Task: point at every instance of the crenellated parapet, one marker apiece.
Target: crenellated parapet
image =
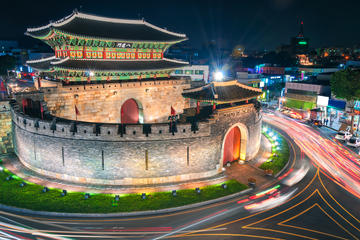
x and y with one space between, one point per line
66 129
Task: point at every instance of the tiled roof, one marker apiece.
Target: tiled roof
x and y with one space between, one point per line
107 65
222 92
87 25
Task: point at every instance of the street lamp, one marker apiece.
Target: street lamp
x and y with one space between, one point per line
219 76
281 101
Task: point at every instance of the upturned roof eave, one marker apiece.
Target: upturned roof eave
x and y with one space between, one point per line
105 39
58 24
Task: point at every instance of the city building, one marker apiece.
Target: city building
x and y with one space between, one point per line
108 111
304 96
299 44
7 46
195 72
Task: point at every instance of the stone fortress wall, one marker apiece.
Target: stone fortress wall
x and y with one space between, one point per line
134 158
102 102
6 145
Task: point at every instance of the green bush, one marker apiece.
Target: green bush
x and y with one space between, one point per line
31 197
279 156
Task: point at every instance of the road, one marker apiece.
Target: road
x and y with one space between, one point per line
317 197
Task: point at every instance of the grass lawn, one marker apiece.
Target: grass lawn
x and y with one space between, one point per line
31 197
280 152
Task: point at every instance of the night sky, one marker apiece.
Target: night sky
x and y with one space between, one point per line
256 24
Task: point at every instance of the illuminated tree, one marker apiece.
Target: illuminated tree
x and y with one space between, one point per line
345 84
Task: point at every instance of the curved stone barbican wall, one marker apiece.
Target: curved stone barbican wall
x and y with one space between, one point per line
102 102
248 119
133 158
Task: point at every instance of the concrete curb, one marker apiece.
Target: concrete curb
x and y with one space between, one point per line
124 214
331 128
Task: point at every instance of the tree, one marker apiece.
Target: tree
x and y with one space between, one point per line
345 84
7 63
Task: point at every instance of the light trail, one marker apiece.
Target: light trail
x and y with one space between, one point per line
330 156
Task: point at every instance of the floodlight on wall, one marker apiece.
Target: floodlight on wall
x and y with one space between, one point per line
117 198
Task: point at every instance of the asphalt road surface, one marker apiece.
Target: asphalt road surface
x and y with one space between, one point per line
316 197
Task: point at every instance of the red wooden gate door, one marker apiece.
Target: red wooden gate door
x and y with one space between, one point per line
130 112
232 145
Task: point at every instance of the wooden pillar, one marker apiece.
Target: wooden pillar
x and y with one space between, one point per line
197 107
42 111
23 104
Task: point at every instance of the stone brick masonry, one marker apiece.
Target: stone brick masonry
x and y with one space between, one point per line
6 145
134 158
102 102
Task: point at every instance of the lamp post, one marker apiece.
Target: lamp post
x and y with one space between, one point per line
281 101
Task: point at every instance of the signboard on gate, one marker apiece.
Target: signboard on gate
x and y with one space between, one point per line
123 45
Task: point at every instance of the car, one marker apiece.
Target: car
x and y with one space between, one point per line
343 136
353 142
295 115
317 123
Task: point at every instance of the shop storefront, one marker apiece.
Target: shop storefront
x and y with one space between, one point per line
336 114
322 103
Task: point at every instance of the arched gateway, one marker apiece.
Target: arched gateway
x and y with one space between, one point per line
131 111
234 144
